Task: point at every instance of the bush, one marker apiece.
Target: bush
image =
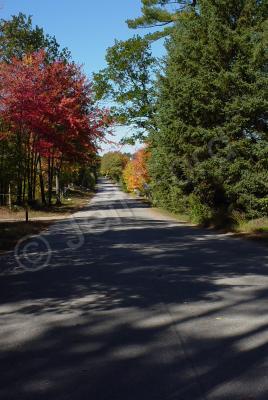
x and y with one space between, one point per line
200 213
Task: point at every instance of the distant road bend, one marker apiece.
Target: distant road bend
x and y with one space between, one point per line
120 302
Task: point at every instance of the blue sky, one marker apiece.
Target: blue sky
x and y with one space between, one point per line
86 27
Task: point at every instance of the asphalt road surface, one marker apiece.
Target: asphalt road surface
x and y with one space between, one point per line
121 302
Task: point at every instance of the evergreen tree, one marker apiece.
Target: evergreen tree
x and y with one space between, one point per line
209 154
160 13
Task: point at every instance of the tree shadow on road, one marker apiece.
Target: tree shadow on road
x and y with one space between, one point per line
139 309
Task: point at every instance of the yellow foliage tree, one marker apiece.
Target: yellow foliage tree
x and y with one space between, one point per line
136 173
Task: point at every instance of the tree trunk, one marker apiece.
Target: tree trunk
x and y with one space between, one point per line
42 187
50 179
58 201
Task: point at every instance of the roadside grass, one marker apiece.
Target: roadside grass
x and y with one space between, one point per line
180 217
259 225
11 232
12 222
74 201
256 229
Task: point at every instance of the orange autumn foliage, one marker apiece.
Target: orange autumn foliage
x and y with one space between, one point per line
136 173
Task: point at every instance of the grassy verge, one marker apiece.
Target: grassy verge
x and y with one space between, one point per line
256 229
75 200
183 218
11 232
40 218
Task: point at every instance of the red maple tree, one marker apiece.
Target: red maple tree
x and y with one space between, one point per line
50 111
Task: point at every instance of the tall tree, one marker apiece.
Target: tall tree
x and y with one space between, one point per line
19 37
50 113
209 153
128 83
160 13
136 172
113 164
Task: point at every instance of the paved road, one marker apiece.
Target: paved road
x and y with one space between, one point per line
123 303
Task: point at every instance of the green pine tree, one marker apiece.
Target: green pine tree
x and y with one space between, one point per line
210 151
160 14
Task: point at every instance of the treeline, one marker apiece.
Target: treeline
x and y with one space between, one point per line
50 124
130 171
204 113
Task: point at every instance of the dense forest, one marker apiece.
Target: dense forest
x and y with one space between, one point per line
50 123
201 111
